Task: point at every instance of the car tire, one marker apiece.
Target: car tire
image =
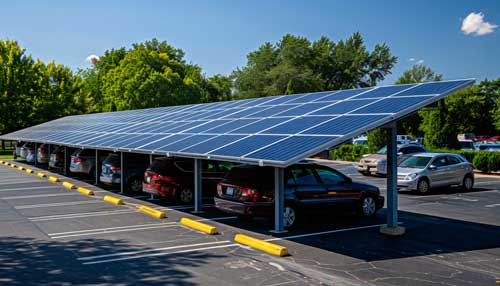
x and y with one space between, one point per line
290 217
468 183
367 206
135 185
365 173
423 186
185 196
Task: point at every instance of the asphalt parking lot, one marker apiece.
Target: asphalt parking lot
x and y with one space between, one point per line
50 235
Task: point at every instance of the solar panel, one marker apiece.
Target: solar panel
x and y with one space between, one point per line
274 131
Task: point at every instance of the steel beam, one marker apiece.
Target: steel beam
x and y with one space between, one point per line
122 174
65 160
50 155
36 154
197 186
392 228
279 200
96 167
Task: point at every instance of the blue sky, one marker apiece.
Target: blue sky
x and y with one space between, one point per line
217 35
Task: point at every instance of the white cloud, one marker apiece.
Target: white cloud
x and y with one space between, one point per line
92 58
420 62
474 24
411 59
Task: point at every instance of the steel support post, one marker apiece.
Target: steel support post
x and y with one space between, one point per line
97 167
197 186
279 200
36 154
50 155
65 160
122 174
392 227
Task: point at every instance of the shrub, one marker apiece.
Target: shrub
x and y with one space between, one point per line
481 162
349 152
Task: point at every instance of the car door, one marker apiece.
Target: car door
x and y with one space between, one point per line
439 175
457 170
339 188
309 191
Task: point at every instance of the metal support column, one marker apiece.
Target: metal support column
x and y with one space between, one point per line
65 160
197 186
392 227
96 167
49 155
150 159
279 200
36 154
151 196
122 174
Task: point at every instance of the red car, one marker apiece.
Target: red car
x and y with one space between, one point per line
173 178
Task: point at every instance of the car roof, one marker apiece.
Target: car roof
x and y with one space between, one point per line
433 154
410 144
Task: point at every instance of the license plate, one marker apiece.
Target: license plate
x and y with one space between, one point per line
229 191
148 180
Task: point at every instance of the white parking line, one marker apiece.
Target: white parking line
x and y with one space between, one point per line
80 215
166 225
162 254
19 181
110 228
56 205
492 206
324 232
39 196
28 188
486 182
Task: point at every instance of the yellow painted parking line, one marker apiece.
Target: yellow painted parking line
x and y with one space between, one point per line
152 212
203 227
69 185
113 200
260 244
54 179
85 191
41 175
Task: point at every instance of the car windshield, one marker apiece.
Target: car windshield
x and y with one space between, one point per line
382 151
417 162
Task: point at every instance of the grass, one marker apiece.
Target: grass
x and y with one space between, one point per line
6 154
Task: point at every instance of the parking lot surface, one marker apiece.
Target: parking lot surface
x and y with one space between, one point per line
50 235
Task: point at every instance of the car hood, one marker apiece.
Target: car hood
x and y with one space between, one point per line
374 157
407 171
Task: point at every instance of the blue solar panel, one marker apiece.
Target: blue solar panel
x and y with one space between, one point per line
272 130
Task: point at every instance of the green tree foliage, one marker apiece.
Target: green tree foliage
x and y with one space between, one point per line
471 110
418 73
376 139
32 92
295 65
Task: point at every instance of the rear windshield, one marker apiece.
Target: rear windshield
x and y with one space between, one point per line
112 159
163 166
251 176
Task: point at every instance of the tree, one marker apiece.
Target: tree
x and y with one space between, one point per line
295 65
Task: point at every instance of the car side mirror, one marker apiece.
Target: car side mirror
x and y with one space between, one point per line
432 167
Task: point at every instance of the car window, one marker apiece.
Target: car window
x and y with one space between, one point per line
302 176
329 177
404 150
452 160
439 162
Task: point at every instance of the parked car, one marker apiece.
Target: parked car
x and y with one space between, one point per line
57 157
424 171
136 165
31 155
43 154
404 139
25 149
174 178
310 188
17 149
361 140
377 163
489 147
466 145
83 162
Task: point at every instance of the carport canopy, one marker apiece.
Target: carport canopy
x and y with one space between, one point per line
273 131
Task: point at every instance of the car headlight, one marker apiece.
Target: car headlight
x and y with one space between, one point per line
411 176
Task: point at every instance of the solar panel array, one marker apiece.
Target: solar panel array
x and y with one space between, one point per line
276 131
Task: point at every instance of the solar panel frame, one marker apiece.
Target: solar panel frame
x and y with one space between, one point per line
91 127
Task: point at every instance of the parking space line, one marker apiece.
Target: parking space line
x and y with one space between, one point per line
19 181
162 254
166 225
55 205
486 183
29 188
492 206
151 250
38 196
324 232
80 215
109 228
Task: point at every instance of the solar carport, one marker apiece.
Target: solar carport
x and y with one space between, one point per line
275 131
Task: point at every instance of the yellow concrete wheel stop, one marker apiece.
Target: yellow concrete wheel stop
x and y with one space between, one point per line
21 168
53 179
113 200
260 244
69 185
85 191
203 227
29 171
13 165
152 212
41 175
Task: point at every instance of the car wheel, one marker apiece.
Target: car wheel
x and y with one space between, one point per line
468 183
368 206
290 217
365 173
135 185
423 187
185 196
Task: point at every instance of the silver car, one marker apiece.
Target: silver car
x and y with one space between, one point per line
377 163
424 171
83 161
